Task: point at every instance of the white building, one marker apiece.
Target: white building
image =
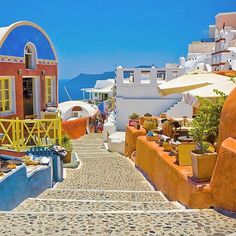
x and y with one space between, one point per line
102 90
136 91
200 53
224 53
217 51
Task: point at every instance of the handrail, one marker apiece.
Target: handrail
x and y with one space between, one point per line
22 134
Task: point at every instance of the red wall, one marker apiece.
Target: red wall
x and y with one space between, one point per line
12 69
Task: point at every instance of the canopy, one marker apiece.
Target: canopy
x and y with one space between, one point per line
188 82
87 109
101 86
190 97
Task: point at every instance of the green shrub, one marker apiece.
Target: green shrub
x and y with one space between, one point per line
66 142
134 116
205 128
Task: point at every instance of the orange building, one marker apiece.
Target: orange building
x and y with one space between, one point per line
28 71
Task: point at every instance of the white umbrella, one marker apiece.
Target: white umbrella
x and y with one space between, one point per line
190 81
190 97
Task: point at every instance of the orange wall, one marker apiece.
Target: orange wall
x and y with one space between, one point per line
11 69
223 183
228 119
75 128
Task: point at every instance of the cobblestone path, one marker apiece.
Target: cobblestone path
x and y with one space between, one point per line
106 195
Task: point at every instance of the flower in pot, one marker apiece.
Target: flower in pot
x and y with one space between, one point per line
66 143
205 132
134 119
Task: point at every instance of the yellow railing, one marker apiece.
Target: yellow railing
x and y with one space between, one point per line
22 134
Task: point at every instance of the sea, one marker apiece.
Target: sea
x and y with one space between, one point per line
74 85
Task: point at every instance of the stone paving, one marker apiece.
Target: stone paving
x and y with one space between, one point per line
205 222
39 205
102 195
106 195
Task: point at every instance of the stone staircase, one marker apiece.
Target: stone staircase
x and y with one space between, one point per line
180 109
106 195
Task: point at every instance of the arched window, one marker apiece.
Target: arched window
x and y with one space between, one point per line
30 56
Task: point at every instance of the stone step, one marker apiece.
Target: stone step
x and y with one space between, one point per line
175 222
56 205
96 195
97 156
105 174
90 151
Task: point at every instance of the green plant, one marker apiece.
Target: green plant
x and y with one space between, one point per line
134 116
205 126
148 115
66 142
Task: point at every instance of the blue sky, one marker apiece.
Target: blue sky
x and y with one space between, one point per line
91 36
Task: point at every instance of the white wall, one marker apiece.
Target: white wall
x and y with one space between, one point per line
124 107
142 97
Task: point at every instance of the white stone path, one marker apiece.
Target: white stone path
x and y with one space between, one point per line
106 195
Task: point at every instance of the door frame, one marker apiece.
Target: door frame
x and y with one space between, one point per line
36 90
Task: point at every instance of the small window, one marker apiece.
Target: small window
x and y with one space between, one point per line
49 96
128 76
161 75
145 77
30 57
175 73
5 98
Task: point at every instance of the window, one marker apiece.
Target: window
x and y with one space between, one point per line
128 76
30 56
145 77
49 85
161 75
5 98
175 73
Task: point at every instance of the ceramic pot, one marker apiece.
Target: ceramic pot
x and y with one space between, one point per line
203 165
133 123
149 124
67 159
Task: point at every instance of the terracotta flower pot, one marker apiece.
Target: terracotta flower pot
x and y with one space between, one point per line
67 159
203 165
133 123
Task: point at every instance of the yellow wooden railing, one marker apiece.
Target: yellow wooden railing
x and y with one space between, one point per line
22 134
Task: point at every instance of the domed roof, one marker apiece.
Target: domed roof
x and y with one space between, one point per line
14 38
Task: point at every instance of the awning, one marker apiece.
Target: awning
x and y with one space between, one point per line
102 90
188 82
190 97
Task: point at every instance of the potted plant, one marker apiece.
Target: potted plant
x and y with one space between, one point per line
205 132
134 119
66 143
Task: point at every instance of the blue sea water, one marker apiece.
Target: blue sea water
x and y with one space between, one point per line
74 85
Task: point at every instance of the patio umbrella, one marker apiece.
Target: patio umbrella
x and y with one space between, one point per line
189 81
190 97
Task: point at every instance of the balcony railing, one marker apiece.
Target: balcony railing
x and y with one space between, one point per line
20 135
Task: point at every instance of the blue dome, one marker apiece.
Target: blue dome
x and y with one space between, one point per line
14 38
